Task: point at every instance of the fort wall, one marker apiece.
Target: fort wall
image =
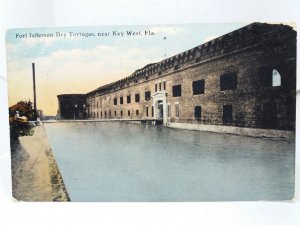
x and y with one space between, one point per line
246 78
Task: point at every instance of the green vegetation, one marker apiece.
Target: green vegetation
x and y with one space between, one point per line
19 116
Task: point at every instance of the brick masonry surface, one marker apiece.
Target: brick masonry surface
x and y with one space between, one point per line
239 72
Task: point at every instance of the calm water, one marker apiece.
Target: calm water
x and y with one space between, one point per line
114 161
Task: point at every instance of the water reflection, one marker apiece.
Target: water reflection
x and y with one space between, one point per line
112 161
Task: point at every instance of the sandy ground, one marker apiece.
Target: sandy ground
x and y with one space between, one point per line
35 174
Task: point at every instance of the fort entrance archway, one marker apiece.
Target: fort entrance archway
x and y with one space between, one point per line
160 110
160 106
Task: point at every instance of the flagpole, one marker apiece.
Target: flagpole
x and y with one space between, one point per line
165 39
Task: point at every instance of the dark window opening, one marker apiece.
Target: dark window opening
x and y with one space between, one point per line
177 90
159 86
147 95
109 113
198 87
197 112
121 100
137 97
121 113
101 114
164 85
105 114
227 114
155 87
115 113
228 81
265 77
128 112
115 101
128 99
137 112
147 111
152 111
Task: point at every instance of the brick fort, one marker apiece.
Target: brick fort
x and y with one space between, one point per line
243 79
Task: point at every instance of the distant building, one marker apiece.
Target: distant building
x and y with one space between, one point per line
246 78
72 106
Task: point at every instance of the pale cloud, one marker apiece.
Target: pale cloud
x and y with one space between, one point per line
107 59
166 30
10 47
29 43
42 40
81 65
73 71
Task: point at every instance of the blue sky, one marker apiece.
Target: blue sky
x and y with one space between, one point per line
68 64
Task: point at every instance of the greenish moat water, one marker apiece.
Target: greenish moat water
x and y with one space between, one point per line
117 161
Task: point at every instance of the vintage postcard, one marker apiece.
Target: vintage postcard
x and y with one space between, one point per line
194 112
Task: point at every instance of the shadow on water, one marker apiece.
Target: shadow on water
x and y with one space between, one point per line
115 161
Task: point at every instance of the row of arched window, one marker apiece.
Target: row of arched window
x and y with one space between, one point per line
109 115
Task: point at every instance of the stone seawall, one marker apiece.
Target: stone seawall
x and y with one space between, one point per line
244 131
35 174
252 132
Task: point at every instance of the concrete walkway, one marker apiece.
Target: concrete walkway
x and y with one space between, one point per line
35 174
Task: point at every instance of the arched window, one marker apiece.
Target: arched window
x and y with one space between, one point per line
276 78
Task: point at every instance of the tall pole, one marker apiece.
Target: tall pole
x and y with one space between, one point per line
34 92
165 46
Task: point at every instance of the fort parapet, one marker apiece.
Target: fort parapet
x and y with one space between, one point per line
246 78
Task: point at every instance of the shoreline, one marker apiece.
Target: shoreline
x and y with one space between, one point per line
221 129
35 173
